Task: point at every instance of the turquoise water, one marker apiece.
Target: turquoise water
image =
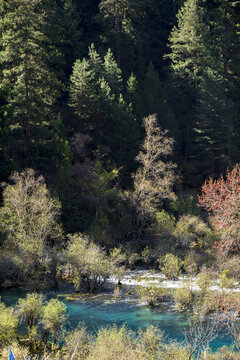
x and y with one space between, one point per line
96 314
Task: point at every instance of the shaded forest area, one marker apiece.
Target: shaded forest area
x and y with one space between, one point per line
119 148
77 80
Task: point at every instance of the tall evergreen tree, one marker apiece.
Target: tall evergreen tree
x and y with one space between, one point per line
152 33
119 18
154 100
188 56
205 59
100 109
217 115
188 52
6 165
28 81
78 28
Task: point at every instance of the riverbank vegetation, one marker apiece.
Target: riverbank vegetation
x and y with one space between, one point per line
117 343
119 148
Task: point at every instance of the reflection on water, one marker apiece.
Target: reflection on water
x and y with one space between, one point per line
98 313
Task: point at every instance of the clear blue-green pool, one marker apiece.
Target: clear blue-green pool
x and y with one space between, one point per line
96 314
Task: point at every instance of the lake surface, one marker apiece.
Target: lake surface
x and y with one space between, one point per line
101 313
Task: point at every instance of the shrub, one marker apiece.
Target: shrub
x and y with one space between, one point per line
20 352
132 258
90 263
182 297
225 281
146 255
191 263
149 344
170 266
78 344
176 352
112 344
221 200
204 282
29 309
53 317
165 222
232 265
206 304
152 295
185 204
224 353
192 232
118 258
8 325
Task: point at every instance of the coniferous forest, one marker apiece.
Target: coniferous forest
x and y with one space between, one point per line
119 149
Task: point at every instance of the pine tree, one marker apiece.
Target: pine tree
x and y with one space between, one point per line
100 109
217 128
73 31
6 165
204 57
152 33
119 18
188 52
133 97
30 85
188 57
154 99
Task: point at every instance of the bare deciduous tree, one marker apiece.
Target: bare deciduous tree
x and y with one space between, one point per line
200 334
153 181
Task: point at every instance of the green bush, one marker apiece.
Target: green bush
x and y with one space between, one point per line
29 309
152 295
204 305
123 344
182 297
175 352
90 263
205 301
8 325
224 353
192 232
112 344
185 204
77 344
231 264
20 352
53 317
204 281
165 222
191 263
226 282
149 345
146 255
170 266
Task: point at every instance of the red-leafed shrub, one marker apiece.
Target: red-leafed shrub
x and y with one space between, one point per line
221 199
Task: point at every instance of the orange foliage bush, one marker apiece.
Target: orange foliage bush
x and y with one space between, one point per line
221 199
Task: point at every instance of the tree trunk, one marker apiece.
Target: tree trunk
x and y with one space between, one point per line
54 337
